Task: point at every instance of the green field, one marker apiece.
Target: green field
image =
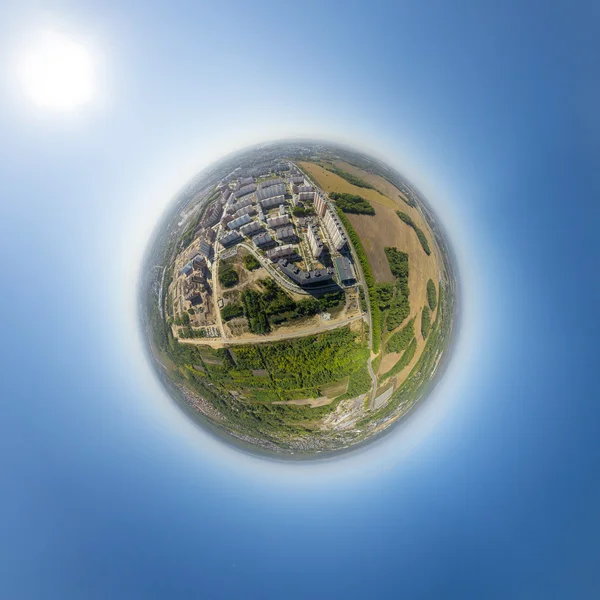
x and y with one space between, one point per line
331 364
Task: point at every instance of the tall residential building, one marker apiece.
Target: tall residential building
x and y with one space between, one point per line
320 204
281 251
335 229
270 182
315 241
251 228
271 202
245 190
278 221
273 190
239 222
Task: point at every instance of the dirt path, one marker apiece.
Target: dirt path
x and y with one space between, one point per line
260 339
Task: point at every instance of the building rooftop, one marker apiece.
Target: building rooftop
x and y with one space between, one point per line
273 190
306 278
262 239
286 233
239 222
243 191
270 182
230 238
345 269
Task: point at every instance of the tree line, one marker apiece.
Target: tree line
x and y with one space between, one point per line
353 179
431 295
351 203
422 239
369 279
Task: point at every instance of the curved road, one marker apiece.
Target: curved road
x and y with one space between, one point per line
368 300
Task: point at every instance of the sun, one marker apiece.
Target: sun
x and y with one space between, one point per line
57 72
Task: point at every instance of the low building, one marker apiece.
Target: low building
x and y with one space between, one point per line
205 248
195 297
199 262
186 269
345 270
313 278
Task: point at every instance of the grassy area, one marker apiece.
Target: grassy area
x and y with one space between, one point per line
369 280
274 306
403 361
251 262
331 362
397 307
422 372
431 294
351 203
231 311
400 340
422 239
228 276
302 211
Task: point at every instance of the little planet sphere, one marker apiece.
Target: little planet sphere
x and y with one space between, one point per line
298 299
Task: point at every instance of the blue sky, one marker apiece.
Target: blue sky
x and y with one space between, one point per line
490 491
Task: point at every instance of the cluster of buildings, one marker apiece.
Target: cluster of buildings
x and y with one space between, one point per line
258 212
195 274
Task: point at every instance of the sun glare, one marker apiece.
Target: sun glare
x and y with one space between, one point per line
57 72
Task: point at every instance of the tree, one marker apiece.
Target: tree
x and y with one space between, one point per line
425 321
251 262
431 295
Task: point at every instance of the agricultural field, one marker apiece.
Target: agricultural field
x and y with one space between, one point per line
386 229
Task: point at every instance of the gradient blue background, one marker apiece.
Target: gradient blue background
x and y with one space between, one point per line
492 490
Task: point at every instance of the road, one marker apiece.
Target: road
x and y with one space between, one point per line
361 279
218 342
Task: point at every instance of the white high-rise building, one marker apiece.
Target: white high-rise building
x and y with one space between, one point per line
315 241
335 229
320 204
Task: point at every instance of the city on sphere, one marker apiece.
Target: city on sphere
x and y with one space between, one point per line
298 299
